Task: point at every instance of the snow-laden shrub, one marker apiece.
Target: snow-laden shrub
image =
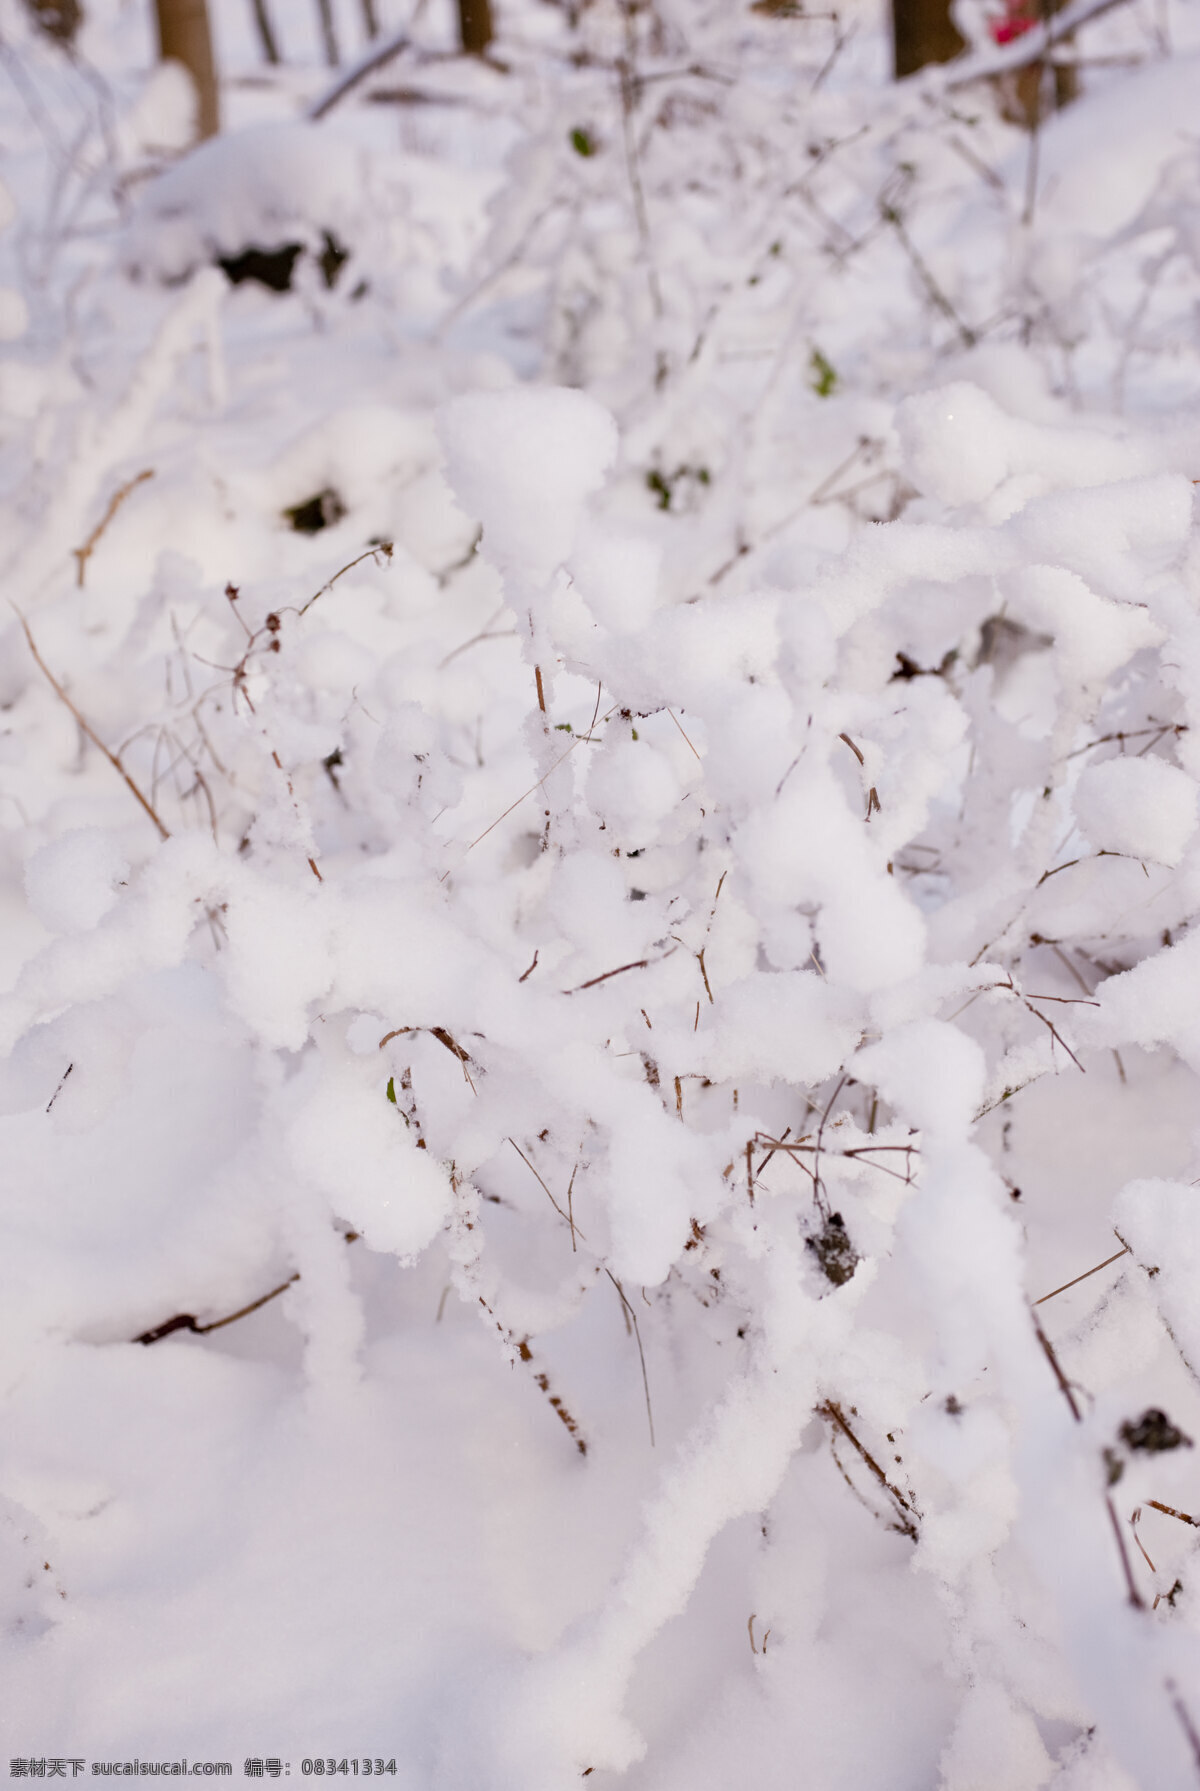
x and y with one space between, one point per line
705 979
551 1035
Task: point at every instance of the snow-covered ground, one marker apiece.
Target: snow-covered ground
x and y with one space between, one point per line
598 872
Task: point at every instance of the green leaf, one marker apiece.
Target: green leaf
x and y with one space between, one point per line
658 485
391 1090
582 142
822 374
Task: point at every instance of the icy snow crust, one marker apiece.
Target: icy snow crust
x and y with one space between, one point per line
623 963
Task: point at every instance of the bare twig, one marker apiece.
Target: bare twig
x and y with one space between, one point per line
379 548
540 1377
91 733
639 964
1053 1294
184 1321
62 1081
437 1032
889 211
1135 1597
520 799
1158 732
907 1515
376 57
631 1315
1064 1385
1068 1393
543 1381
266 35
83 554
679 725
528 973
1170 1511
1185 1720
567 1215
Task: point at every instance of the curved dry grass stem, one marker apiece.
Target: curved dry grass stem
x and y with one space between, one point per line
86 727
83 554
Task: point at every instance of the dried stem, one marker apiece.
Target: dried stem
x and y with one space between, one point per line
184 1321
631 1316
91 733
638 964
1170 1511
907 1523
83 554
1115 1257
568 1215
1068 1393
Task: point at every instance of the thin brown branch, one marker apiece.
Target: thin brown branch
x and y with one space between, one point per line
437 1032
571 1205
540 1377
1135 1597
83 554
542 1380
638 964
1158 732
833 1412
575 1231
1170 1511
1053 1294
184 1321
704 974
384 548
520 799
1055 1034
631 1315
1064 1385
679 725
375 58
1133 1525
91 733
62 1082
866 1151
817 1196
1068 1393
1185 1721
525 974
1046 875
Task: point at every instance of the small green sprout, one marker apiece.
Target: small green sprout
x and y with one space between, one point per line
391 1090
658 485
823 377
582 142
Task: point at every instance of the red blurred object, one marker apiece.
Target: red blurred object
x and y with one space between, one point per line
1017 18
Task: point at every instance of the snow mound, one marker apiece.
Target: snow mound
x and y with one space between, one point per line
266 186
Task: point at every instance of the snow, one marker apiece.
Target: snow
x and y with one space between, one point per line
253 186
72 882
598 893
1137 806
